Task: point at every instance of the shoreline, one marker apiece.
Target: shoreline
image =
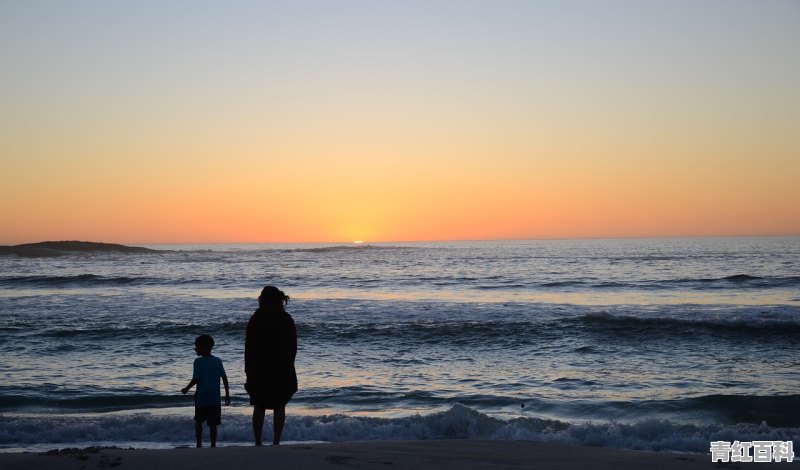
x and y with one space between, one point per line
432 454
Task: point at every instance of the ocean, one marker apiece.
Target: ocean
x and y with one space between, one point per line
659 344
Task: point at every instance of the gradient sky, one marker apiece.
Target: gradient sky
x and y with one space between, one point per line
328 121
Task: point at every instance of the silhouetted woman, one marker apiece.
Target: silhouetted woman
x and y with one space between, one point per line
269 351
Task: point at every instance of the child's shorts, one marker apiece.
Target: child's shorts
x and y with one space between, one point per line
211 413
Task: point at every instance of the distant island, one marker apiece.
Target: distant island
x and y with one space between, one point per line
61 248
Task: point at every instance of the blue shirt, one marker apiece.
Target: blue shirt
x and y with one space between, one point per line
207 373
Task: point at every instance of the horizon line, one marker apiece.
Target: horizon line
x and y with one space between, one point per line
367 242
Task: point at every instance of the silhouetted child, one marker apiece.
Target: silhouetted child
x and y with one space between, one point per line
208 370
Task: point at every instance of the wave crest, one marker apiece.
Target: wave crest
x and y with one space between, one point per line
458 422
746 324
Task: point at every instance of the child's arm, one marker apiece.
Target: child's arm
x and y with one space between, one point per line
192 383
227 390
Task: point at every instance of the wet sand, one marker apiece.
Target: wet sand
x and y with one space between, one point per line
448 454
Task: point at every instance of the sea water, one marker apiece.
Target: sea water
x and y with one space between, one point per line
662 344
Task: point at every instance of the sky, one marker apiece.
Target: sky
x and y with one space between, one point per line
330 121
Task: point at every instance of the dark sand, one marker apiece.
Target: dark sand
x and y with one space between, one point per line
449 454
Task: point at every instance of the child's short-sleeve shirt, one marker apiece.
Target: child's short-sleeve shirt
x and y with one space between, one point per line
207 373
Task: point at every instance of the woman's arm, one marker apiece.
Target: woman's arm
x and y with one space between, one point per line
293 341
248 345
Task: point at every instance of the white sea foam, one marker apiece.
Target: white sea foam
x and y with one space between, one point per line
460 422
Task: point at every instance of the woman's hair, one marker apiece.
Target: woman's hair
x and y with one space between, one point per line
271 295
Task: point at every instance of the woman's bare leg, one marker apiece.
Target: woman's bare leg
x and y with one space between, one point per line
258 423
278 420
198 433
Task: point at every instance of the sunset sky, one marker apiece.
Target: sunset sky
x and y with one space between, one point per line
329 121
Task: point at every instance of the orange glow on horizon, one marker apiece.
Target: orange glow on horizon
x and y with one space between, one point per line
406 129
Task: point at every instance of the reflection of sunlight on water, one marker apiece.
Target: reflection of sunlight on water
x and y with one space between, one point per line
773 297
573 298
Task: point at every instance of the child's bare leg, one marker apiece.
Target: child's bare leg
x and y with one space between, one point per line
278 420
198 432
258 423
212 428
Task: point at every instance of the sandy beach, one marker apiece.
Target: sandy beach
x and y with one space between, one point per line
447 454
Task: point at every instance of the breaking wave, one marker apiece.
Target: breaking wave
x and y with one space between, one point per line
458 422
82 280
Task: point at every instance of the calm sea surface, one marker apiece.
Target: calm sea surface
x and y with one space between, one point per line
659 344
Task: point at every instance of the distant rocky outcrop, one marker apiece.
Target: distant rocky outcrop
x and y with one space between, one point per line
61 248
